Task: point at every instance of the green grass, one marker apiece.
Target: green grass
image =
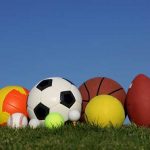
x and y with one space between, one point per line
75 138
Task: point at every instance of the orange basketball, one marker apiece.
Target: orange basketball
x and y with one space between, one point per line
13 99
98 86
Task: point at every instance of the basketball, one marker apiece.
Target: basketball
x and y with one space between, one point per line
99 86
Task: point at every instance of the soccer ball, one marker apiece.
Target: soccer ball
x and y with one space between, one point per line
53 95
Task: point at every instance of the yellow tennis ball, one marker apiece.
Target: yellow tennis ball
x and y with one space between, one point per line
54 120
105 111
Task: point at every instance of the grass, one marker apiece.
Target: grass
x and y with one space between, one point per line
82 136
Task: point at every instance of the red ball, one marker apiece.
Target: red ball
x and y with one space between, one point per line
13 99
98 86
16 102
138 101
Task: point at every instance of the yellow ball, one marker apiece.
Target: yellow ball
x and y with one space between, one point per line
105 111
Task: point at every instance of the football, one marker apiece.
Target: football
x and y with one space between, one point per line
100 86
138 101
53 95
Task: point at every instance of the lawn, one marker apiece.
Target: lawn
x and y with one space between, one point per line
82 136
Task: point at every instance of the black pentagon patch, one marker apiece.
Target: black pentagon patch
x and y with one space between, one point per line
44 84
41 111
69 81
67 98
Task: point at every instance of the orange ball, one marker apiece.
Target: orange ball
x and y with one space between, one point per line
13 99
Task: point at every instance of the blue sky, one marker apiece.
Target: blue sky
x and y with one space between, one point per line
73 39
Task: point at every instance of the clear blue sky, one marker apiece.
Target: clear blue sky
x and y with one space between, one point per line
73 39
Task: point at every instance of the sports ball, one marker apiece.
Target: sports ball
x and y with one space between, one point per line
138 101
98 86
53 95
34 123
13 99
74 115
54 120
17 120
105 111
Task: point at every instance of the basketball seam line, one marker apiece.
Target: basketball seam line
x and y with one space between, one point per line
100 85
87 90
115 91
85 100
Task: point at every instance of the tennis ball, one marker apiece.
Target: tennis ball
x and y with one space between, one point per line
105 111
54 120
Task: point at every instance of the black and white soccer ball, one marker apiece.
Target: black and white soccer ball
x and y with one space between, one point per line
53 95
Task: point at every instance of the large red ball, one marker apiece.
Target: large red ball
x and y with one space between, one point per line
98 86
16 102
13 99
138 101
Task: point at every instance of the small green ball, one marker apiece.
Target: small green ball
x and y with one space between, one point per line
54 120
